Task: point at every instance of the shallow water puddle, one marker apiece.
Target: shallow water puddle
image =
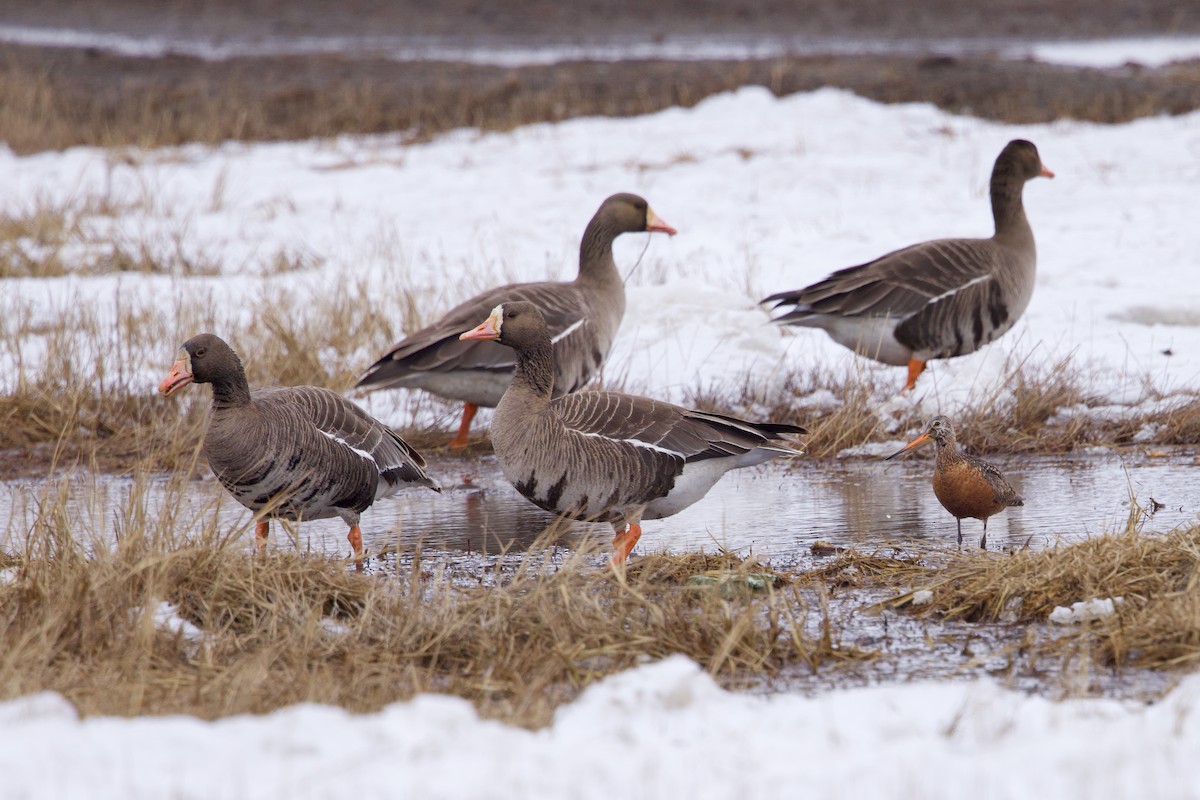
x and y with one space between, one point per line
777 511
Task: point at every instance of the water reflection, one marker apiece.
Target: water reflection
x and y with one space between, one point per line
775 510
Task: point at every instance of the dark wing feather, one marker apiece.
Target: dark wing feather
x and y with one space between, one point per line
337 417
689 435
437 348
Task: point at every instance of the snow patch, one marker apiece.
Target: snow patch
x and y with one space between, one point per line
1086 610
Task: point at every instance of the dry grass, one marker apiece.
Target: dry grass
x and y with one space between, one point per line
1180 424
84 384
857 403
1157 624
81 595
78 618
52 99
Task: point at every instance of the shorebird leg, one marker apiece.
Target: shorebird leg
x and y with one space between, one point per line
261 529
355 538
915 368
983 539
464 427
624 541
959 521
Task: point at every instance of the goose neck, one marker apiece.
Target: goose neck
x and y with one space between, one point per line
535 370
596 262
231 391
1008 209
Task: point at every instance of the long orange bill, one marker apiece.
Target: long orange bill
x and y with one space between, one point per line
917 442
486 331
655 224
179 376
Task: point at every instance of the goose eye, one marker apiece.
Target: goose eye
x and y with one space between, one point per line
200 351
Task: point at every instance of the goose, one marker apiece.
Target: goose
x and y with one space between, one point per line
606 456
583 316
293 453
937 299
965 485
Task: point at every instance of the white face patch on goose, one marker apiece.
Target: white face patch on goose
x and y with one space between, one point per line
186 358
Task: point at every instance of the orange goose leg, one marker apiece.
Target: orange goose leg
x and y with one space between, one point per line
355 538
915 368
624 541
261 529
464 427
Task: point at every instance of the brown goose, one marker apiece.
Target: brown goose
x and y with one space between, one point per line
965 485
293 453
583 316
604 456
936 299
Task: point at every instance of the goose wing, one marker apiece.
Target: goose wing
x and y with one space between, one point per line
672 433
335 417
437 348
899 284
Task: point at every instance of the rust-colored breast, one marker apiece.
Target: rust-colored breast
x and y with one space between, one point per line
965 491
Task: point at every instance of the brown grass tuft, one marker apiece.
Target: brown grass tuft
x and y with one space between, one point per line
1157 625
79 619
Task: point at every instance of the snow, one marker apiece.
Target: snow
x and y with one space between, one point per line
166 617
768 194
922 597
1086 610
1149 51
661 730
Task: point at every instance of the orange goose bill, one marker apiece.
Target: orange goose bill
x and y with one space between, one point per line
179 376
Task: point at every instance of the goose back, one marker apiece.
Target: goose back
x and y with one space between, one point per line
582 315
308 453
936 299
608 456
583 323
299 452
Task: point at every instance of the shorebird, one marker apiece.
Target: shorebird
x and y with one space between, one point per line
965 485
937 299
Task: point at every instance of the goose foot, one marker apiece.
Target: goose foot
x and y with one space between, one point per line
261 529
355 538
624 541
915 368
